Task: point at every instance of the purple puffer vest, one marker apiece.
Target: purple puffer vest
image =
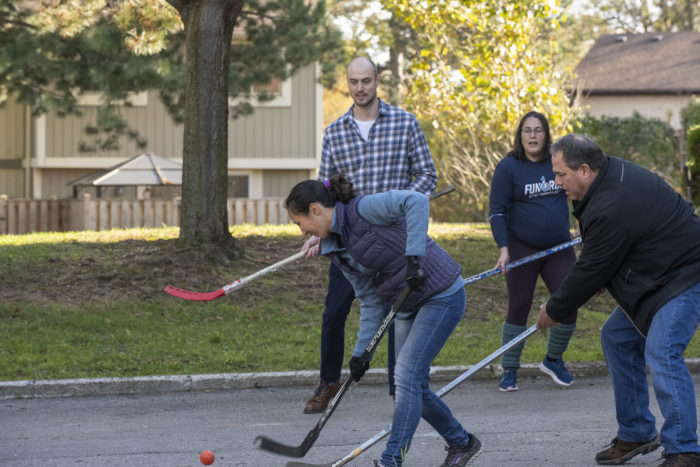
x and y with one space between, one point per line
382 250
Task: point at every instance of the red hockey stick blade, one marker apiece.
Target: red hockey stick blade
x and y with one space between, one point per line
194 296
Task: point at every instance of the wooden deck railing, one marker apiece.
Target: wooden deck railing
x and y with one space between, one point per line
21 216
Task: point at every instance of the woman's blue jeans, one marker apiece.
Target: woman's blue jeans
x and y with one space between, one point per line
418 341
627 353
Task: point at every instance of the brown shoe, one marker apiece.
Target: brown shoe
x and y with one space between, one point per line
620 451
684 459
322 395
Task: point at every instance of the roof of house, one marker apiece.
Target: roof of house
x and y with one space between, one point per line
650 63
145 169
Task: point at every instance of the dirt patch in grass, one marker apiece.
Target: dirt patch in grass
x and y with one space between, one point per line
141 269
85 272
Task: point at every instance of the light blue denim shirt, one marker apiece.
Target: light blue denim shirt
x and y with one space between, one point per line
384 209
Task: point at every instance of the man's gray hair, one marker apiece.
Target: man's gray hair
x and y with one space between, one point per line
577 150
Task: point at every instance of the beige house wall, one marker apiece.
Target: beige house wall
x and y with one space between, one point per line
55 185
12 130
279 182
277 146
14 148
12 182
665 107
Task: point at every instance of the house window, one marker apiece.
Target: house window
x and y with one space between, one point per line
280 90
273 87
238 186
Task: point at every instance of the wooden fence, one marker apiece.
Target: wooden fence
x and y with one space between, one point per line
21 216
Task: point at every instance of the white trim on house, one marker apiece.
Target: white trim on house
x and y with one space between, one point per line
77 162
39 140
255 184
233 164
36 183
319 117
263 163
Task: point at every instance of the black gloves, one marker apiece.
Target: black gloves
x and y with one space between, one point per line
357 369
415 276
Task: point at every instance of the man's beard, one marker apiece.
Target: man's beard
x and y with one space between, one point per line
369 101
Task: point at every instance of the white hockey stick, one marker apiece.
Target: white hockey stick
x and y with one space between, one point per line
454 383
228 288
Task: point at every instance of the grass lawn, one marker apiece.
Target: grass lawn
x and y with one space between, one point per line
91 304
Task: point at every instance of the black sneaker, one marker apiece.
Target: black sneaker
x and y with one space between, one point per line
462 456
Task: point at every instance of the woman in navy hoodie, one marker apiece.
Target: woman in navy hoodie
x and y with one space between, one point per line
380 242
529 213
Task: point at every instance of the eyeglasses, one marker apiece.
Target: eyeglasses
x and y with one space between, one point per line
537 131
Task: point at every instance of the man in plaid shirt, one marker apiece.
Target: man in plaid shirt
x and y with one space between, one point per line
379 148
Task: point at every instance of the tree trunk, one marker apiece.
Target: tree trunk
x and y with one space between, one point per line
397 49
203 219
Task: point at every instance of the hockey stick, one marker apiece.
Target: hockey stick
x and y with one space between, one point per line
454 383
237 284
228 288
271 445
526 259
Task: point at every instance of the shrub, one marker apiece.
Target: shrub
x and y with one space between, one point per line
693 139
649 142
690 114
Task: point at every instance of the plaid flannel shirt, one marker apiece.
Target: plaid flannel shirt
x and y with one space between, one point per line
395 157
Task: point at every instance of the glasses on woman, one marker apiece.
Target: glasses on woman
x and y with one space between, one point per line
537 131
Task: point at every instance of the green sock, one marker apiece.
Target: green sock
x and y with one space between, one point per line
511 359
559 337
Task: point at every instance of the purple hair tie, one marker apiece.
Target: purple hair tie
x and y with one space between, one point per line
327 184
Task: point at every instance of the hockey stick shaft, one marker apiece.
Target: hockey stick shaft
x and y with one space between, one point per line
449 387
525 260
228 288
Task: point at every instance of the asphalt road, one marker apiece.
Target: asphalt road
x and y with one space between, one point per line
540 425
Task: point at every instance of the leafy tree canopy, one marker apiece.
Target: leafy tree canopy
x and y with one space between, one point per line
51 51
648 15
480 67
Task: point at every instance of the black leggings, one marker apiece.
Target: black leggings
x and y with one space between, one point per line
521 281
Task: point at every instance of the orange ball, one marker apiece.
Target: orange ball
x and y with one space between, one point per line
206 457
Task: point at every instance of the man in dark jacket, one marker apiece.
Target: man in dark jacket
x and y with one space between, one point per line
641 241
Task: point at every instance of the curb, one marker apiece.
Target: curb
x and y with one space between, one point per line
234 381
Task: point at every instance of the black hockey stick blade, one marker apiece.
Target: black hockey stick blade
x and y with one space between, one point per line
271 445
448 189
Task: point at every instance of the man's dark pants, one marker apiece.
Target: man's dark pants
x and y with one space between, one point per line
338 302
